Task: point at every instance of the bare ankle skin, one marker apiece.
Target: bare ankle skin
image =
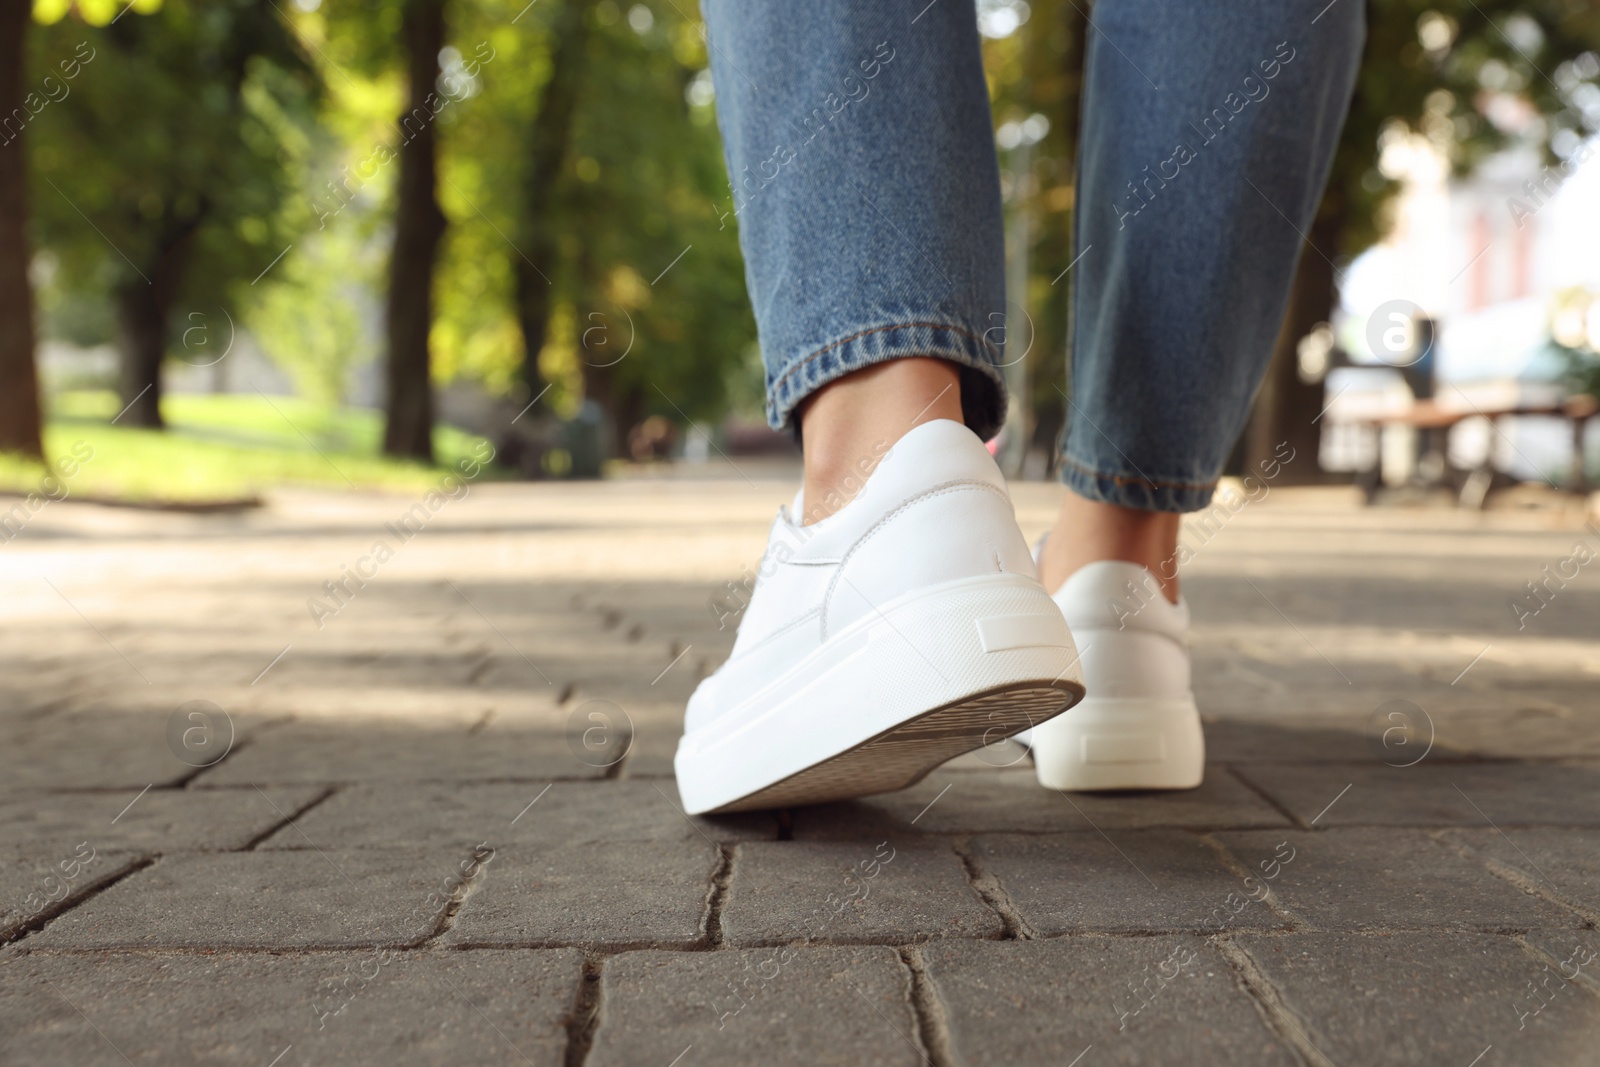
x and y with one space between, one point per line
849 424
1087 531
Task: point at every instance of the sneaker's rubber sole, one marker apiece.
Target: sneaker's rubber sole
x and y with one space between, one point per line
920 680
903 755
1121 743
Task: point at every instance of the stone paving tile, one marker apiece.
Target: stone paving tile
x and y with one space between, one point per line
418 661
264 899
161 820
843 891
126 750
654 745
1571 954
1568 730
1131 880
1373 878
1431 997
34 882
1359 740
775 1007
565 813
601 893
361 698
1145 1000
1561 861
1435 794
428 1008
961 802
394 751
654 726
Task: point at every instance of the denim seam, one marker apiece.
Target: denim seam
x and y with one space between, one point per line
1148 483
778 385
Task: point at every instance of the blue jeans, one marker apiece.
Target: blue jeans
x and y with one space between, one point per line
861 159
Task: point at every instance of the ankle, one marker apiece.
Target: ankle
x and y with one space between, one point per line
1089 531
849 424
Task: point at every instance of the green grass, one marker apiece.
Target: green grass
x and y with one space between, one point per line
221 448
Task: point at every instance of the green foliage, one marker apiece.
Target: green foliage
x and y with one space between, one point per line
185 120
1037 71
1473 76
643 182
270 126
652 188
311 321
226 448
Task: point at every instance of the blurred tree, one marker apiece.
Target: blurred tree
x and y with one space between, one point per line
163 178
656 281
548 142
1033 57
1473 77
310 319
419 226
630 220
19 381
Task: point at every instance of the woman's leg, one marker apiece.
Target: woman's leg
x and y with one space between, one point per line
1207 138
895 621
861 157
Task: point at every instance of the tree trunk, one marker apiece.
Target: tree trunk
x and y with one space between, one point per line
419 225
630 412
144 306
549 139
142 323
1286 409
19 379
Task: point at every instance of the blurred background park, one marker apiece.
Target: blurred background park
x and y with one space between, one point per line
256 243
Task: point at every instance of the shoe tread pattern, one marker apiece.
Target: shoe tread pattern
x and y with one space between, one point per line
903 755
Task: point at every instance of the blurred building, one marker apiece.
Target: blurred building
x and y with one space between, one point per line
1486 257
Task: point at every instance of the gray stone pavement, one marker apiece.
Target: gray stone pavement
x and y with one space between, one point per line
433 820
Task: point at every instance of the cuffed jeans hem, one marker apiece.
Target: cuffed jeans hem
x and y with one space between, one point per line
983 395
1133 491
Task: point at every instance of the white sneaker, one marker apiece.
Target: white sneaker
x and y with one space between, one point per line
899 632
1139 727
